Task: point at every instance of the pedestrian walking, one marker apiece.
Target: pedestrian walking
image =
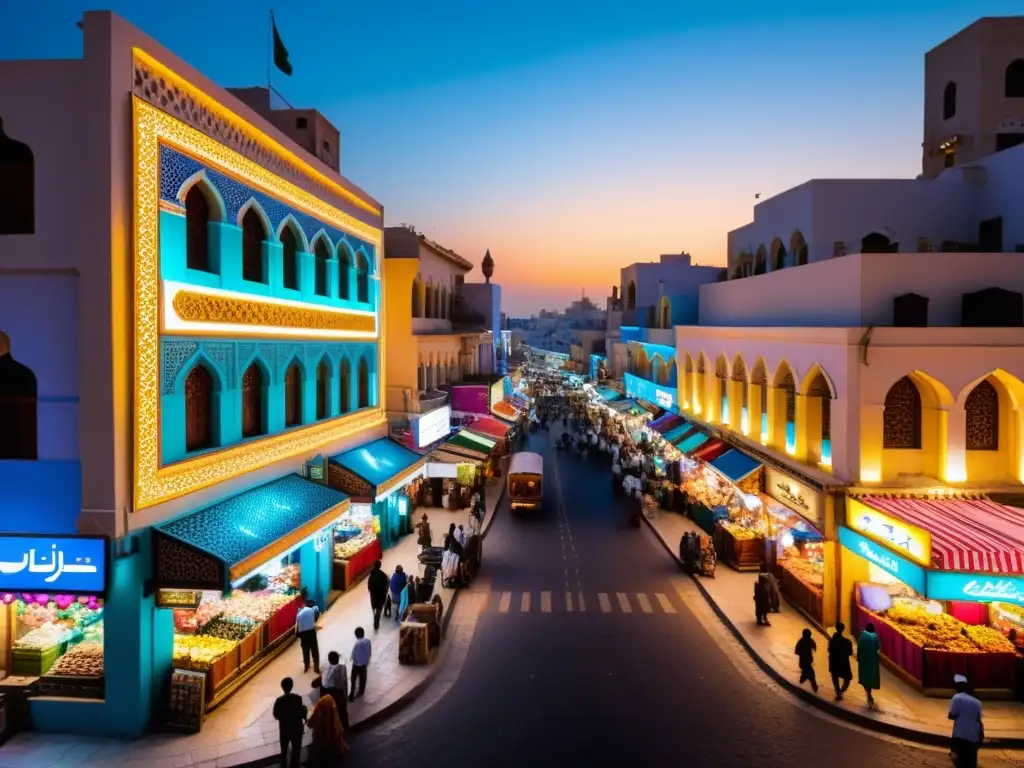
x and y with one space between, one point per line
397 585
290 713
424 537
305 629
968 728
377 585
762 603
840 649
361 653
805 649
334 683
328 745
774 595
868 674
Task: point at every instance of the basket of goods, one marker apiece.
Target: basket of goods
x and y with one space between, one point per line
83 660
198 652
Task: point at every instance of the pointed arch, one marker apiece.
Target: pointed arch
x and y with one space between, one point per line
293 380
759 372
292 241
902 416
778 252
255 230
809 380
255 388
290 222
199 402
345 261
981 408
18 407
688 363
362 268
323 388
322 258
798 247
417 299
760 260
739 368
345 385
785 381
199 214
722 366
364 382
218 209
657 369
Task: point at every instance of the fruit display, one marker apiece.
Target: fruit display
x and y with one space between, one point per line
45 636
942 632
348 549
229 628
198 652
82 660
287 578
810 572
742 532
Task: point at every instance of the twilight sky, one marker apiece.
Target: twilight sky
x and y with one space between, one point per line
571 137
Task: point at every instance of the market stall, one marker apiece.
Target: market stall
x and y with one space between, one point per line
235 574
52 591
356 542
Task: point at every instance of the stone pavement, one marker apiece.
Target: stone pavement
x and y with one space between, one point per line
242 731
900 709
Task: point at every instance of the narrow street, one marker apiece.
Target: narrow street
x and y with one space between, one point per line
585 654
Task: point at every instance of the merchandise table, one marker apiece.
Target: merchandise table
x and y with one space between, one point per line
284 620
347 572
800 593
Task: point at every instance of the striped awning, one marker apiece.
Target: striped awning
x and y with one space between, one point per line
967 535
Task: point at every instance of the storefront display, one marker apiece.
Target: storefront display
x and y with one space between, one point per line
799 558
56 635
356 545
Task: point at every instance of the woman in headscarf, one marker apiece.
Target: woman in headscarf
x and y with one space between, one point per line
328 745
867 662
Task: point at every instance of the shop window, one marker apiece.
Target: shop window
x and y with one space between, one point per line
1014 80
364 384
417 310
254 421
253 235
197 232
292 396
59 639
18 391
363 281
198 409
323 257
949 101
344 268
289 258
901 417
345 389
982 407
323 381
17 187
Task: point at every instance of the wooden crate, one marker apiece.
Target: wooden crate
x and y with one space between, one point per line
220 670
250 646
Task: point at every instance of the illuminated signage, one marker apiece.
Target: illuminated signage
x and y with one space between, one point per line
178 598
909 573
915 542
642 389
65 564
804 501
430 427
976 587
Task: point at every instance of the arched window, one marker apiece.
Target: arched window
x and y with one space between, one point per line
819 388
253 235
289 258
17 187
362 279
198 409
345 387
323 258
364 384
18 392
292 396
1014 85
197 233
778 256
631 296
949 101
254 420
901 418
323 380
760 260
982 407
344 270
417 309
801 255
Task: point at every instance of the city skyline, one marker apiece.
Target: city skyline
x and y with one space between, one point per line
670 120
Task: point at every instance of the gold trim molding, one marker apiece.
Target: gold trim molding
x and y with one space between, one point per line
204 308
155 484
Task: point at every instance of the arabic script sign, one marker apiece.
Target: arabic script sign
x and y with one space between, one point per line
72 564
806 502
975 587
890 531
909 573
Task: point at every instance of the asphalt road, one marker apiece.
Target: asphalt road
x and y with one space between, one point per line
601 686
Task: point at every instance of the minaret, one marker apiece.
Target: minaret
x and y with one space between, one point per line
487 266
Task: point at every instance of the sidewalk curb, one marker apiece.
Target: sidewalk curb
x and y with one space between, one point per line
891 729
390 710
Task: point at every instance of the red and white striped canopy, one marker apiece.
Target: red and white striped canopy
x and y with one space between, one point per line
976 536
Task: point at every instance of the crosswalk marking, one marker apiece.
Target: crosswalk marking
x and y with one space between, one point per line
606 604
624 605
666 606
524 604
545 602
506 602
568 602
582 602
645 604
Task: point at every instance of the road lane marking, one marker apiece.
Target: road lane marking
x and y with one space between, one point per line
545 602
666 606
624 605
524 604
582 603
606 604
568 602
505 603
645 604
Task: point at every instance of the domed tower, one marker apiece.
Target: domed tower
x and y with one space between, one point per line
487 266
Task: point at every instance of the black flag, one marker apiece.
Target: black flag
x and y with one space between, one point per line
280 52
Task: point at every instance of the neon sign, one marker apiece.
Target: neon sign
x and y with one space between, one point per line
975 587
890 531
69 564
